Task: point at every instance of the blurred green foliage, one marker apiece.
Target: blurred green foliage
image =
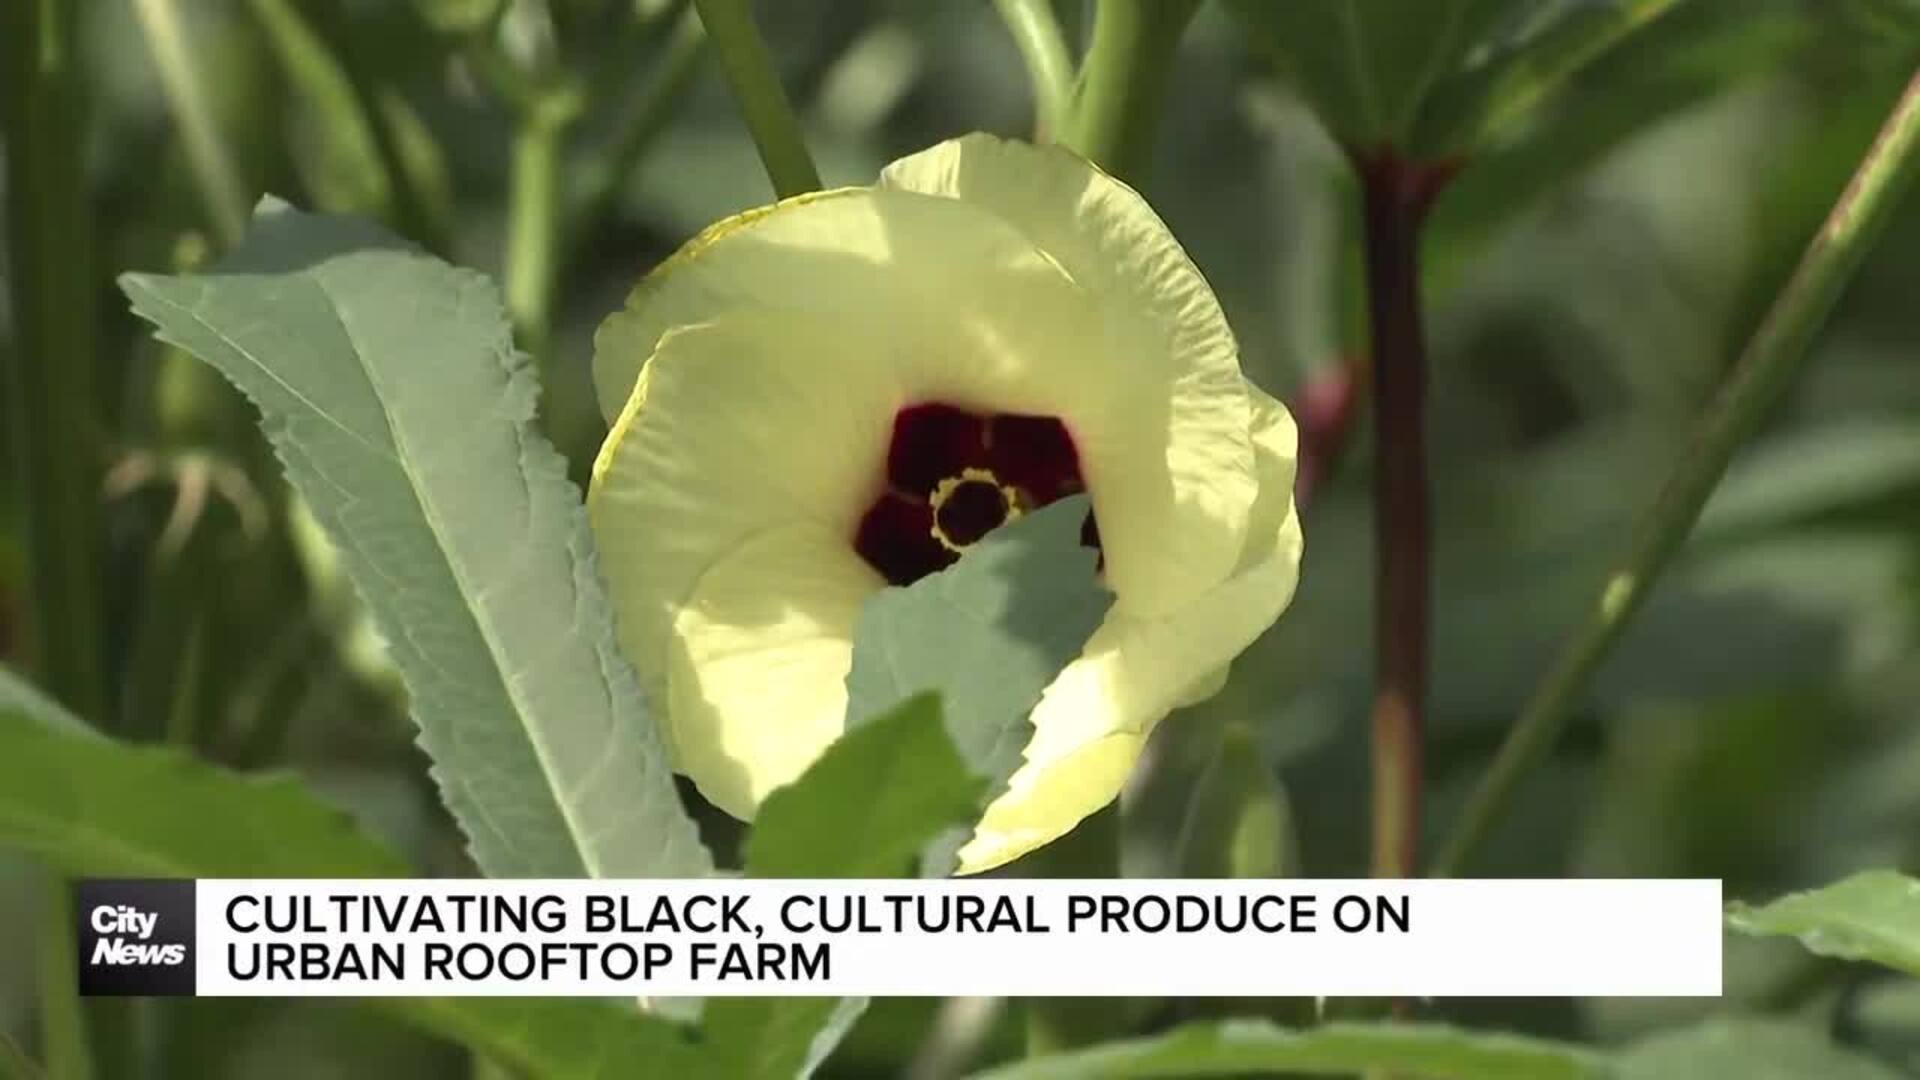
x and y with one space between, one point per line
1591 275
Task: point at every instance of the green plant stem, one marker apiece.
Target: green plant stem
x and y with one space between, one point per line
763 102
51 421
419 167
364 184
183 705
363 173
1123 82
1766 367
1396 195
641 124
515 88
533 227
164 672
63 1030
214 171
1043 48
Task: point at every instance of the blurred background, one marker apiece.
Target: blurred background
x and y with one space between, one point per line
1588 285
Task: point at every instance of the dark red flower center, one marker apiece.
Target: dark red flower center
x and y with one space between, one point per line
970 506
953 476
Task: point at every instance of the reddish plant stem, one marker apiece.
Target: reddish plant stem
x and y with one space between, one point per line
1397 194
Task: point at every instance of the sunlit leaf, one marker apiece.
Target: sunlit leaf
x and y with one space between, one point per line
1872 916
389 386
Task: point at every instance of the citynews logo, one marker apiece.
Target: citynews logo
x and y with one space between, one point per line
135 937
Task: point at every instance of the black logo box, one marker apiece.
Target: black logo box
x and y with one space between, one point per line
112 959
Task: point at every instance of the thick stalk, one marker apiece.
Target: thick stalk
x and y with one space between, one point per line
1766 367
762 100
1396 194
1043 48
533 227
51 423
214 171
1123 83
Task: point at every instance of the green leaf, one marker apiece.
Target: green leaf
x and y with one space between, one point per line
988 634
1494 99
1667 65
1441 79
558 1038
776 1038
1810 472
1870 916
19 696
1208 803
389 386
1240 1047
1367 66
1748 1049
881 793
91 806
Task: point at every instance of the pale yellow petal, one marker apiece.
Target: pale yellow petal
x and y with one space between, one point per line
969 312
1096 716
857 254
746 424
757 683
1110 240
753 382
